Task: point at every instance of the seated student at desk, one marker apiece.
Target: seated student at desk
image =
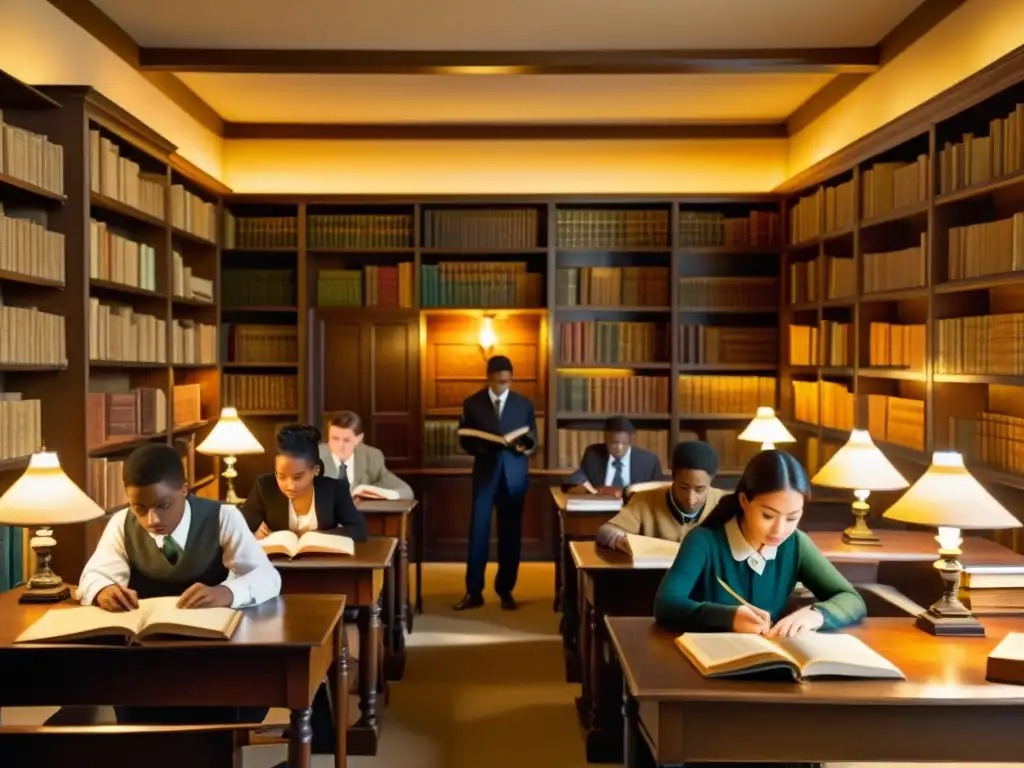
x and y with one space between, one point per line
615 464
169 543
296 497
669 513
363 464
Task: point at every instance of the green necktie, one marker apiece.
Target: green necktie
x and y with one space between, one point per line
171 550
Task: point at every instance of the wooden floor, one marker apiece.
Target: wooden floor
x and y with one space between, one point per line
476 684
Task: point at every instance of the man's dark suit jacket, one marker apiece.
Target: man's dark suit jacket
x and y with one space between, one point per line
644 466
490 459
332 498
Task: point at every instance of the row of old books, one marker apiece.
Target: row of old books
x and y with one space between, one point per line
896 420
723 345
258 288
31 157
27 247
119 259
186 405
356 231
186 284
193 343
978 159
984 344
31 337
582 228
805 279
805 217
839 206
598 342
888 187
892 345
733 453
619 394
992 248
122 179
119 333
698 294
106 487
441 444
612 287
731 395
113 416
573 442
481 228
372 286
262 392
993 439
896 270
826 403
828 344
261 343
21 431
260 232
193 214
711 229
458 284
804 345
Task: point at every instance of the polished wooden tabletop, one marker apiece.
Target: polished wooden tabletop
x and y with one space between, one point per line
939 670
290 620
374 553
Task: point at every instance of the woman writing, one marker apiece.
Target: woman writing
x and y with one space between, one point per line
751 543
296 497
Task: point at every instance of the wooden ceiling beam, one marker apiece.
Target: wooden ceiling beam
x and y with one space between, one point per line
265 61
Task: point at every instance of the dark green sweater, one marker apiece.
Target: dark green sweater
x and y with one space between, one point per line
690 599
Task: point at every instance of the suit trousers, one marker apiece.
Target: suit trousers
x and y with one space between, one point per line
495 496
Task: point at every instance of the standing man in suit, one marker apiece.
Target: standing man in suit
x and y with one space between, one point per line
364 464
500 480
615 464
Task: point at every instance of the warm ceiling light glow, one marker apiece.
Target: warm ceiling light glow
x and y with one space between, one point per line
495 69
488 338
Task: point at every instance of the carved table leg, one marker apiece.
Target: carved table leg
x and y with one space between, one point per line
339 699
559 553
369 643
570 624
395 665
300 741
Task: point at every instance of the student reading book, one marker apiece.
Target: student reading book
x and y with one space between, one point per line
296 497
804 656
169 543
616 464
292 545
154 616
346 453
651 552
749 548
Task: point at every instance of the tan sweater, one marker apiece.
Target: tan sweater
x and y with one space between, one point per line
648 514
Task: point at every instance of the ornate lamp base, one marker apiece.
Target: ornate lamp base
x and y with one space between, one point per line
859 532
229 474
949 626
45 586
949 617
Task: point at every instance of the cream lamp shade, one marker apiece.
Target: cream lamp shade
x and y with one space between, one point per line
765 427
230 437
948 496
860 465
45 496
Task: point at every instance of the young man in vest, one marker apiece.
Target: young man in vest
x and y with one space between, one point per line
170 543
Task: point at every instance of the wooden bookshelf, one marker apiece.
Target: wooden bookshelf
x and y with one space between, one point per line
931 330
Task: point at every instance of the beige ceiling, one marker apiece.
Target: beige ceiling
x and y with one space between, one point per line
503 98
507 24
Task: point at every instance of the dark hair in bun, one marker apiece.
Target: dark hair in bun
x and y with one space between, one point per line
300 441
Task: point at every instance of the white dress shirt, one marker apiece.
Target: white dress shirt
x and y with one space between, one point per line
609 473
252 578
499 399
350 469
302 523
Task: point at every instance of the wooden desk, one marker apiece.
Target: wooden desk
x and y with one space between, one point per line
391 518
360 579
681 717
278 657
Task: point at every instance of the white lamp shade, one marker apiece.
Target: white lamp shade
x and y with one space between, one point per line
45 496
860 466
765 427
230 437
948 495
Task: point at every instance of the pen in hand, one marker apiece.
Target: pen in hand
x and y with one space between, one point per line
759 613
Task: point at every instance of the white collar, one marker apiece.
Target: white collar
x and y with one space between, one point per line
497 398
740 547
180 532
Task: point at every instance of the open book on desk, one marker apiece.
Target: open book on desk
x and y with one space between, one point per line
813 654
154 616
651 552
289 544
509 438
372 492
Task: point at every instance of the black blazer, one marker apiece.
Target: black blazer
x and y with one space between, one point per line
332 498
644 466
490 459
